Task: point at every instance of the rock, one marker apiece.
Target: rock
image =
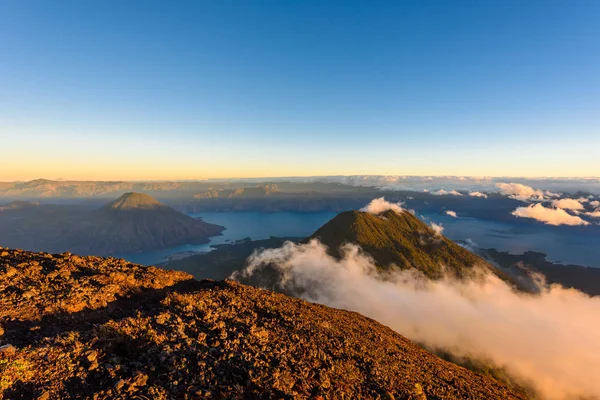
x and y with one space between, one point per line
91 356
93 365
90 360
10 272
418 393
44 396
120 384
140 379
7 349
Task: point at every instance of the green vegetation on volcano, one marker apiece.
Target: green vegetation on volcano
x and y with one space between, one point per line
402 240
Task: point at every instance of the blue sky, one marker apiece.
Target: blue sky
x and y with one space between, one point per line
198 89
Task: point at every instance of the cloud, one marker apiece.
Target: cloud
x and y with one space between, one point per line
451 213
523 193
594 214
595 203
550 339
444 192
478 194
379 205
549 216
438 228
568 204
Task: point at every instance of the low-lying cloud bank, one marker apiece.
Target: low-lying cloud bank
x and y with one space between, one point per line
550 339
380 205
549 216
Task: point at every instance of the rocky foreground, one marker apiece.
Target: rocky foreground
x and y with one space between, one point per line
91 327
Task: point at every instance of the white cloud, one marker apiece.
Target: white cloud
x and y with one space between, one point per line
568 204
438 228
550 339
594 214
444 192
379 205
451 213
523 193
595 203
549 216
478 194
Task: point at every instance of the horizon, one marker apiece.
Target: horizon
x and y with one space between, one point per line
237 178
94 91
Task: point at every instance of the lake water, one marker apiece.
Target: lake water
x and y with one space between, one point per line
240 225
565 246
575 247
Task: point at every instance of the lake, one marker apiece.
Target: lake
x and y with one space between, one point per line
240 225
562 246
565 246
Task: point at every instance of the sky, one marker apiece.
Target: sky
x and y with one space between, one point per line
213 89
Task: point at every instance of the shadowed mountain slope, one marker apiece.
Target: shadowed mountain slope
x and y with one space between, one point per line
104 328
401 239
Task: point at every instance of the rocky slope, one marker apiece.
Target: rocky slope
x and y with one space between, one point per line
91 327
400 239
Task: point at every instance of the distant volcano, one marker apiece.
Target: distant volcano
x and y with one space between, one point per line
136 222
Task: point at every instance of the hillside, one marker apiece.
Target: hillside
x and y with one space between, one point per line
104 328
400 239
